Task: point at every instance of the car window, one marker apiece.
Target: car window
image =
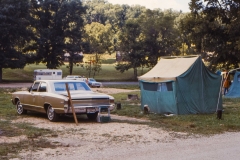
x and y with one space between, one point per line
71 86
61 86
35 86
42 87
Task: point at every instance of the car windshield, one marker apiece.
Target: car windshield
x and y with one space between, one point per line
91 79
73 86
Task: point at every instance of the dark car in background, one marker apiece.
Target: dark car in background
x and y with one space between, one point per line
93 83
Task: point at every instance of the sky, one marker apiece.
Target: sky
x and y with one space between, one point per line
152 4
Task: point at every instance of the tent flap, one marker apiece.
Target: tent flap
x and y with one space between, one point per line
234 90
198 90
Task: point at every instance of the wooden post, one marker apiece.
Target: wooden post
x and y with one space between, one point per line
70 99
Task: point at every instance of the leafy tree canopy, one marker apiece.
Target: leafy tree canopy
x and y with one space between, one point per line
58 26
215 31
14 33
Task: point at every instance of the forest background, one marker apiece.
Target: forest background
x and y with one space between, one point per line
43 31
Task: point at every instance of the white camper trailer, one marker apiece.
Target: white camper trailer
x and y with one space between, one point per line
46 74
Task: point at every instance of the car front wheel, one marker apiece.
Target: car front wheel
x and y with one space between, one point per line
52 115
20 109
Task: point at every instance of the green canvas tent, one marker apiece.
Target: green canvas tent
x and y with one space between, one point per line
181 85
234 90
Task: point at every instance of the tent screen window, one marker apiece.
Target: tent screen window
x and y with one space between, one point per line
160 87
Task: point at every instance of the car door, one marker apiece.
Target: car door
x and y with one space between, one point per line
29 99
40 97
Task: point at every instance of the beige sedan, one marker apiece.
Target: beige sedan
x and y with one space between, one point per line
51 97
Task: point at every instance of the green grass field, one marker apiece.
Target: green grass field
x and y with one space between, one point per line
107 73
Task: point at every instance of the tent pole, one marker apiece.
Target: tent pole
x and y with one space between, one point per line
220 91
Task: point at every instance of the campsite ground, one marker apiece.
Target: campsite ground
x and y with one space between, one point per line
122 138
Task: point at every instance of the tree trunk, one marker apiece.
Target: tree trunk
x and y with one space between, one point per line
135 73
70 67
0 74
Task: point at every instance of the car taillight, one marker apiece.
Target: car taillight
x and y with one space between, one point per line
66 103
111 100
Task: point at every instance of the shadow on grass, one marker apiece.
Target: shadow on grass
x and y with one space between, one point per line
62 119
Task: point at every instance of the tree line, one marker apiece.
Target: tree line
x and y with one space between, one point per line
42 31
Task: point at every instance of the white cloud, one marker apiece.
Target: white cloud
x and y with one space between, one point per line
152 4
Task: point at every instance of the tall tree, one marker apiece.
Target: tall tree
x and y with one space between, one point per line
14 33
73 32
98 38
95 11
217 26
185 25
131 46
147 38
159 34
58 26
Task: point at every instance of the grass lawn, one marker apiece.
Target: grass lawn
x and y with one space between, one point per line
107 73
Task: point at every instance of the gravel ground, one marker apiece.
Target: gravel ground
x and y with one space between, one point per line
119 140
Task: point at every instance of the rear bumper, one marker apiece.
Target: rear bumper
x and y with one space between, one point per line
86 109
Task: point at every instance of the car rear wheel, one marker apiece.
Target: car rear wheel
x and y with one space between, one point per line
52 115
20 109
92 116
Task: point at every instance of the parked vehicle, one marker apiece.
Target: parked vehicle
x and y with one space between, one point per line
51 97
75 77
93 83
47 74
